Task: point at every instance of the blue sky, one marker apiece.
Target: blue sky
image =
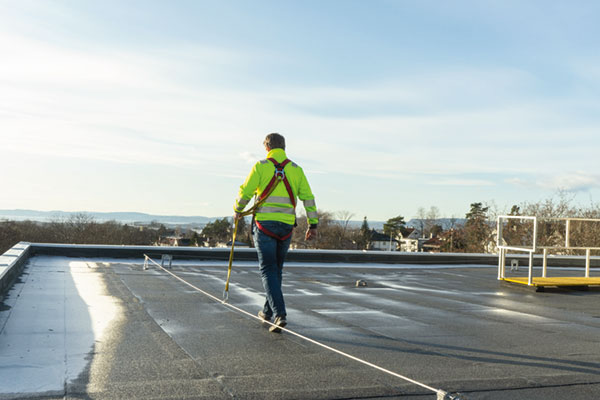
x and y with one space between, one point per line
161 107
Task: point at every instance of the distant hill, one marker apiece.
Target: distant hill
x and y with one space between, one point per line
445 223
377 225
123 217
171 220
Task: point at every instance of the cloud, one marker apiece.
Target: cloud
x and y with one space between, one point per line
577 181
417 94
461 182
572 182
249 157
115 106
31 63
150 108
519 182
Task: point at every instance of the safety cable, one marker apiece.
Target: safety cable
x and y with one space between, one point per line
441 394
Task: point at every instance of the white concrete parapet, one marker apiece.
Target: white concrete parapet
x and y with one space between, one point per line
11 263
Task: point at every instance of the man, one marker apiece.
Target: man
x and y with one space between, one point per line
282 181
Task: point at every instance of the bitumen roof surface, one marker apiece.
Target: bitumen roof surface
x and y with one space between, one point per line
90 328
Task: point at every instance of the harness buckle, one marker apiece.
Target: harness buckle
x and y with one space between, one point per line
279 173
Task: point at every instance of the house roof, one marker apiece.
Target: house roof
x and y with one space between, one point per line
409 233
380 237
434 241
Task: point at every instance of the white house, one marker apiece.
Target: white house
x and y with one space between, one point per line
409 240
379 241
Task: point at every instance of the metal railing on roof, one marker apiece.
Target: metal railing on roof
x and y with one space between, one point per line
533 245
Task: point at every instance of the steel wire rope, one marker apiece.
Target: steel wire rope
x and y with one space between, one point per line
441 394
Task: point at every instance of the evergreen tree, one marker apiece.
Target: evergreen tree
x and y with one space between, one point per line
217 231
477 230
365 225
195 239
393 226
477 214
364 237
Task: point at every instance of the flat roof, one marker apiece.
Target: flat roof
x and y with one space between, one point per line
106 328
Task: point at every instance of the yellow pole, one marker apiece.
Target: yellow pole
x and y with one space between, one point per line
256 205
226 292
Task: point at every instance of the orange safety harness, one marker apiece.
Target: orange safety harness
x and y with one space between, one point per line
279 176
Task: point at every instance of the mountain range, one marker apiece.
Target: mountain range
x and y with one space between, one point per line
143 218
123 217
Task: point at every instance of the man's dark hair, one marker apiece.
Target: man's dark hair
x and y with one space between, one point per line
275 141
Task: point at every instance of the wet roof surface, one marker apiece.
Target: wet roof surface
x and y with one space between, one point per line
87 328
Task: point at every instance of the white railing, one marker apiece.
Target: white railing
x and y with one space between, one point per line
503 248
533 248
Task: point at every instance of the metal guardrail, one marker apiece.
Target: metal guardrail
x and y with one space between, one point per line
534 247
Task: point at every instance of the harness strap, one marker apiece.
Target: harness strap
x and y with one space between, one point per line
273 235
280 173
277 177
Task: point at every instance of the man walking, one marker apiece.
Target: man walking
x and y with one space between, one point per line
277 182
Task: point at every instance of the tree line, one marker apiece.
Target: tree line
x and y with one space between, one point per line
475 235
78 229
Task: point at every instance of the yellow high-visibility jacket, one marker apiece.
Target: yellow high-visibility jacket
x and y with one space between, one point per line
278 206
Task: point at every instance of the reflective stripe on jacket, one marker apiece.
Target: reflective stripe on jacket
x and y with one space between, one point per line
278 206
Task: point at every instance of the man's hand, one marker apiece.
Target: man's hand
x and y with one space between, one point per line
311 234
237 216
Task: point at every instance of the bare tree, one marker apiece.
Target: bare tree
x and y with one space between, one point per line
421 217
344 217
431 219
453 220
552 232
77 229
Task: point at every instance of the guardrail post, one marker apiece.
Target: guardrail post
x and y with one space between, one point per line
498 244
530 279
545 264
535 226
500 263
500 230
587 262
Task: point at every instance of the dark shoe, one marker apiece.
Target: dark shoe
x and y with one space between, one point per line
279 323
264 317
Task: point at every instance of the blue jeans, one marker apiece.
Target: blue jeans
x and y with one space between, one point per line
271 254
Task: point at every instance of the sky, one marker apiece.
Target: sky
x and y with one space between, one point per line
388 106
